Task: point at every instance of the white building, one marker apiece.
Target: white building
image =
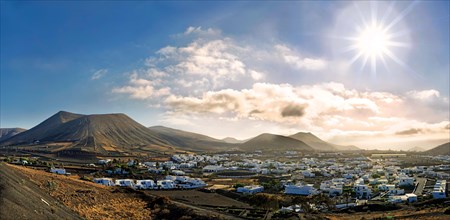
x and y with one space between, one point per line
362 191
125 182
250 189
58 170
386 187
104 181
300 189
212 168
145 184
439 189
308 174
165 184
405 181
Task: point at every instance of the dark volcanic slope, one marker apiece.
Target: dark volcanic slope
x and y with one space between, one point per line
90 131
274 142
42 130
6 133
314 141
443 149
319 144
20 198
188 140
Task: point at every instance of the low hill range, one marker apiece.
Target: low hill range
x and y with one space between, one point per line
118 133
6 133
443 149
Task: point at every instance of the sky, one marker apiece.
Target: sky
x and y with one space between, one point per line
370 74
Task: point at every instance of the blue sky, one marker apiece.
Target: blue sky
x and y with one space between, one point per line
198 65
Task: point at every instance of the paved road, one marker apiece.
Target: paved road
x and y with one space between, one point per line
420 186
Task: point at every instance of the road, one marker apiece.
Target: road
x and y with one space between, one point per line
420 185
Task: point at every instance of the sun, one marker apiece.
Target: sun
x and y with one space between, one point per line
373 41
375 36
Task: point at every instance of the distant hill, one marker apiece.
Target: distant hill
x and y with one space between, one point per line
443 149
232 140
318 144
274 142
416 149
94 133
6 133
188 140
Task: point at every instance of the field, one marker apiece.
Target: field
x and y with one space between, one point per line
199 198
91 201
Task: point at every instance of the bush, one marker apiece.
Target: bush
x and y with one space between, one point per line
447 211
237 185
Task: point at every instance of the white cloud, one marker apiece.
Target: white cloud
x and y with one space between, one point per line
139 88
199 30
99 74
217 78
424 94
298 62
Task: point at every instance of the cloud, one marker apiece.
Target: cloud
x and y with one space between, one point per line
214 77
293 111
199 30
409 131
142 88
424 94
298 62
99 74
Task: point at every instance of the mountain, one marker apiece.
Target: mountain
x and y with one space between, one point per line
443 149
318 144
232 140
6 133
274 142
93 133
188 140
416 149
313 141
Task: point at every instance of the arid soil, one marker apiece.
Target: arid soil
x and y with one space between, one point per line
194 197
87 199
21 198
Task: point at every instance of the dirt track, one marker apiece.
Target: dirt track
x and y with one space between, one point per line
23 199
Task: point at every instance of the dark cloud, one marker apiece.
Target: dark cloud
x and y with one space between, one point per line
254 112
409 131
293 111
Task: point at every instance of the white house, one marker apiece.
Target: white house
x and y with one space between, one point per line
308 174
58 170
250 189
165 184
300 189
396 192
125 182
104 181
411 197
405 181
362 191
386 187
439 189
212 168
145 184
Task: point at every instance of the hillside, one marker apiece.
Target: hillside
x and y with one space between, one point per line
232 140
6 133
318 144
274 142
443 149
188 140
93 133
21 198
313 141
